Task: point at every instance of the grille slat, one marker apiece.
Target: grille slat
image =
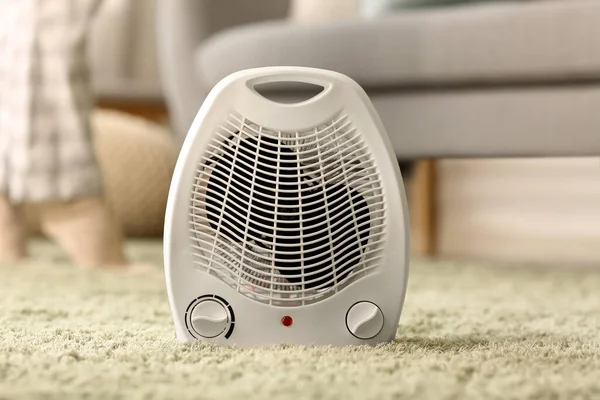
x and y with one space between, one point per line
235 122
312 189
249 209
298 237
287 218
319 159
250 272
265 259
298 148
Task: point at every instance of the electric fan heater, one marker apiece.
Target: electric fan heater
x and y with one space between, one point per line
286 222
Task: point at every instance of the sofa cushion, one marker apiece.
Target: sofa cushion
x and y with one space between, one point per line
491 43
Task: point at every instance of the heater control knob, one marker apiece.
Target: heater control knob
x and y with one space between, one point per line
364 320
209 318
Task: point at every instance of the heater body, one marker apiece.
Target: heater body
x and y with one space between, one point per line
286 223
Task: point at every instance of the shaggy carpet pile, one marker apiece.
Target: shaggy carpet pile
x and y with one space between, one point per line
467 332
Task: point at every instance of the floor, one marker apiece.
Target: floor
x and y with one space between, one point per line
467 332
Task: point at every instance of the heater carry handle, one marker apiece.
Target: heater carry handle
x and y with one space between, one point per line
284 115
314 76
292 78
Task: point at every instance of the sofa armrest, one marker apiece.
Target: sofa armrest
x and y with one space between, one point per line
181 26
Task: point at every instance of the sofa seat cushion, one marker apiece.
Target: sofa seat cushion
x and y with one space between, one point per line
552 41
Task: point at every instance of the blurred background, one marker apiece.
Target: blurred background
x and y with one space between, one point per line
456 82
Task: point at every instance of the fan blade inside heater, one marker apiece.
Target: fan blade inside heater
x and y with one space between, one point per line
334 228
260 181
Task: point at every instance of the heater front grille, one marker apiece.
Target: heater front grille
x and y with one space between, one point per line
287 218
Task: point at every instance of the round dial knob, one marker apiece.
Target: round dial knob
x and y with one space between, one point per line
364 320
209 318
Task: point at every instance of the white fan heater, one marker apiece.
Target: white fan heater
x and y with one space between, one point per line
286 223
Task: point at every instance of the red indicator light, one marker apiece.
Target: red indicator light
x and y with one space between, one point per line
287 321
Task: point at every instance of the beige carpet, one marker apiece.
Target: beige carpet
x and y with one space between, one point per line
467 332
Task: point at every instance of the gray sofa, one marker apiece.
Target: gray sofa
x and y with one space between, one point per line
518 78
